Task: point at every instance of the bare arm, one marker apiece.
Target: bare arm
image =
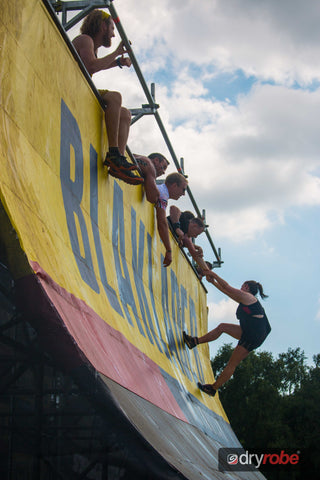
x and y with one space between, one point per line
164 234
148 171
175 214
196 253
224 287
194 250
85 48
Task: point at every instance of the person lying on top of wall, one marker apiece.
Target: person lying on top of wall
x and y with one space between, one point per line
174 187
186 227
150 168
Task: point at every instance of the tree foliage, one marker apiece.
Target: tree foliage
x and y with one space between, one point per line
274 403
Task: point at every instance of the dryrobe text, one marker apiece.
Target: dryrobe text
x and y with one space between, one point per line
139 314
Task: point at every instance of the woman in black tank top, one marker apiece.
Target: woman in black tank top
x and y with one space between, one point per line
253 329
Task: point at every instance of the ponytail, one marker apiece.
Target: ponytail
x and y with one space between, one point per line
256 287
261 293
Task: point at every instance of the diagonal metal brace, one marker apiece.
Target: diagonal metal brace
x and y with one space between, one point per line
146 109
85 6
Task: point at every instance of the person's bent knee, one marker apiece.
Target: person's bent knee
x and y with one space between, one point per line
112 98
222 327
125 115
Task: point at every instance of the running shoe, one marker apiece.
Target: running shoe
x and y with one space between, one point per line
118 162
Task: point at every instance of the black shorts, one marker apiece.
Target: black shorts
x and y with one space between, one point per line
251 343
254 332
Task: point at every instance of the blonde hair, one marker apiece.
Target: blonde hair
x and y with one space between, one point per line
177 178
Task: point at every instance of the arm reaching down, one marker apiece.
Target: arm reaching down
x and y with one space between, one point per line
163 230
148 172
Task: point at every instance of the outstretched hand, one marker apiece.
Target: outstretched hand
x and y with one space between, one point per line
167 259
199 251
125 61
120 51
180 236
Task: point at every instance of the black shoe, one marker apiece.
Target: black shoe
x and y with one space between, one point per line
207 388
191 342
118 162
126 176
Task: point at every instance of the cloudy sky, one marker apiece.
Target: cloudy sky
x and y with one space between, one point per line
238 83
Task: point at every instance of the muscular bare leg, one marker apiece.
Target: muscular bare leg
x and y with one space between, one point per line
231 329
124 127
239 354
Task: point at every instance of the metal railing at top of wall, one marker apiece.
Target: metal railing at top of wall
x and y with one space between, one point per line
151 108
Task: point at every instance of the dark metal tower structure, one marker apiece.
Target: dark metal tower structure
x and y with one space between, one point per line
57 418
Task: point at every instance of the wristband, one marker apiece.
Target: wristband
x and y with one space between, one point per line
118 60
169 251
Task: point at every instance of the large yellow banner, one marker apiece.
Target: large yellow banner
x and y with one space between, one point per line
91 240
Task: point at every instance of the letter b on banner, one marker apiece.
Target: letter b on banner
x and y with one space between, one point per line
72 191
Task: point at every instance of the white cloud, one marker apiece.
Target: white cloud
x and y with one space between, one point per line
271 40
254 160
221 312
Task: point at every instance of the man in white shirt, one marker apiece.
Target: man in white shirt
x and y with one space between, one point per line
174 187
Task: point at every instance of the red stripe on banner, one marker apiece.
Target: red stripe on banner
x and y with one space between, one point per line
108 350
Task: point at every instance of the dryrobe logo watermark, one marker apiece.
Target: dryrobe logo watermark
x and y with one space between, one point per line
238 459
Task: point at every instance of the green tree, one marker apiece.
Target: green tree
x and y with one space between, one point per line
294 369
301 412
275 403
250 394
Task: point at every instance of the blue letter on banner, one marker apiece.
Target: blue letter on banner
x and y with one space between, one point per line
72 194
111 294
125 289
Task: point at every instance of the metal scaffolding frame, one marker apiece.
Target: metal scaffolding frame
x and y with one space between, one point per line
37 402
151 108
